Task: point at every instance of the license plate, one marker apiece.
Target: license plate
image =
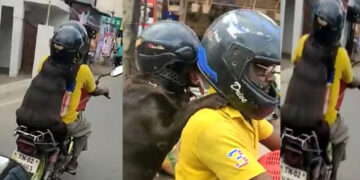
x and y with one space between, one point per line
30 164
290 173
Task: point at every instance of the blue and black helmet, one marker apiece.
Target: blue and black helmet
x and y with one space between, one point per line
231 45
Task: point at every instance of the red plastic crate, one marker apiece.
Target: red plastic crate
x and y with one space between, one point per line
271 162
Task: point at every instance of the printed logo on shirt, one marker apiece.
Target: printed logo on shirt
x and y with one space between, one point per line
67 98
239 157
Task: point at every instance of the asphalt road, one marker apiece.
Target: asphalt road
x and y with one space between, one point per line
350 111
103 160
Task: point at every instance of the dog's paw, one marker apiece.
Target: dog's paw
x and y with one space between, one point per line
212 101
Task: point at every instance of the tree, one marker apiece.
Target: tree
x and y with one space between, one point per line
130 30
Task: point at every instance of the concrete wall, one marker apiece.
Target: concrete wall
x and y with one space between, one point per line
42 49
298 23
288 26
58 17
111 5
5 38
282 20
35 15
88 1
17 39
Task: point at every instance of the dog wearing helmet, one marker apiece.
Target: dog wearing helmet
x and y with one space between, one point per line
156 101
54 94
42 102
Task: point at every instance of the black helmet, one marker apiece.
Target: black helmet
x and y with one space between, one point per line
167 49
232 44
328 20
70 44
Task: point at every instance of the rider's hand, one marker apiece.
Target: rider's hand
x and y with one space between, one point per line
106 92
101 91
354 84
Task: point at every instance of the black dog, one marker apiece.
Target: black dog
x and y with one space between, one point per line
153 121
41 106
303 109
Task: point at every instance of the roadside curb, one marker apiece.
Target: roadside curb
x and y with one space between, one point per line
13 86
286 75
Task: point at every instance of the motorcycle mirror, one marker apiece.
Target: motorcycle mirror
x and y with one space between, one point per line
116 71
10 169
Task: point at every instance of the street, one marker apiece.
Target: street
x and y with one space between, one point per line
103 160
350 112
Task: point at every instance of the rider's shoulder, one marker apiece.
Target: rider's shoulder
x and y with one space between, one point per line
342 54
84 68
342 51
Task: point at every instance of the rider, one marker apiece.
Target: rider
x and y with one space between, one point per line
328 21
238 56
69 47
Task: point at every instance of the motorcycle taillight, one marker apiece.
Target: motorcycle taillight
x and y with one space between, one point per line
293 157
25 146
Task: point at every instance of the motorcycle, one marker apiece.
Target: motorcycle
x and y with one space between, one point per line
10 169
302 158
40 154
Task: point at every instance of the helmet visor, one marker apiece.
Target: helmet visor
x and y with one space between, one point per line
262 75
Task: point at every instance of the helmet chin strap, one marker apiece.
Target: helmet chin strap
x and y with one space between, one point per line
172 76
261 85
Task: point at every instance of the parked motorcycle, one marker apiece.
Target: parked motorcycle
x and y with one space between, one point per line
10 169
40 154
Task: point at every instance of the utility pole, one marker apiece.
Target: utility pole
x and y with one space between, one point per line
48 13
130 30
0 11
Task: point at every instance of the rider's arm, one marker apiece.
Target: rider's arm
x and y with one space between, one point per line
223 150
100 91
89 84
347 73
272 142
89 79
268 137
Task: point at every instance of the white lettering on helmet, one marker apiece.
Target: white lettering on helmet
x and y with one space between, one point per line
237 88
216 35
151 46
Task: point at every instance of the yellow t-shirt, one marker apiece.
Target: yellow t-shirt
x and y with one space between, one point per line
343 72
220 144
84 80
